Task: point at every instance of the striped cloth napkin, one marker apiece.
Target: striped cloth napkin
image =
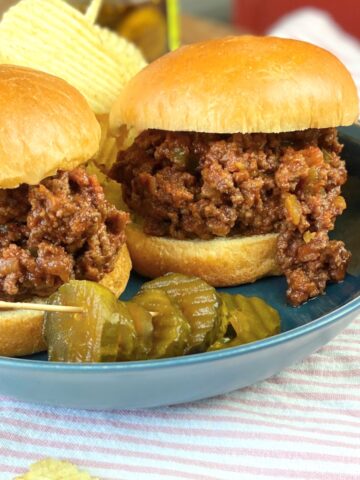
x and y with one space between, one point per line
303 423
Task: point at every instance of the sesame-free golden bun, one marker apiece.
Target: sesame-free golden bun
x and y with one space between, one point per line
21 330
240 84
46 125
221 262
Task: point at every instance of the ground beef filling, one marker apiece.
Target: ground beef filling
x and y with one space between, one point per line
61 229
191 185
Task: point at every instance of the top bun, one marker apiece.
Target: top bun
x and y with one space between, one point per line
239 84
45 125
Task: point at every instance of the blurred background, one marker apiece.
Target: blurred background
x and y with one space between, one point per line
157 26
331 24
216 9
258 16
140 20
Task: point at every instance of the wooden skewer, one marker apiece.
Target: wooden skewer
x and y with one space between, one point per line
43 307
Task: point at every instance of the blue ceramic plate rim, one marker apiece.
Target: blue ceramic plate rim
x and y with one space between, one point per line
312 326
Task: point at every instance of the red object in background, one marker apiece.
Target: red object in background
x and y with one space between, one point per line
259 15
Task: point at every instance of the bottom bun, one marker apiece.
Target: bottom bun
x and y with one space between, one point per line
222 262
21 330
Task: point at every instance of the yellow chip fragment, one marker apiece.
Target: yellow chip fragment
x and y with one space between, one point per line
53 36
112 189
109 145
108 149
51 469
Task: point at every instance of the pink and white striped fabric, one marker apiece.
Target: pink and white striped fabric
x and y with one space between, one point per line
303 423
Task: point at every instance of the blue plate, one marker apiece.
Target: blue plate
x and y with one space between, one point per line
176 380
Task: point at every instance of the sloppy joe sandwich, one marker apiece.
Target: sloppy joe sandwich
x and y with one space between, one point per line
235 171
55 223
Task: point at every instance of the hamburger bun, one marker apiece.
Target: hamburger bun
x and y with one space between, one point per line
240 84
221 261
21 330
45 127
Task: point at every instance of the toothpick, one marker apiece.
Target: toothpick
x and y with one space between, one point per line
42 307
93 10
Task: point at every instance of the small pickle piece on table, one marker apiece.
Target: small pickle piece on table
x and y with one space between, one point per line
199 303
92 336
171 328
143 326
245 319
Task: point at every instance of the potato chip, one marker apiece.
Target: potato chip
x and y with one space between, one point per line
52 36
109 146
106 155
121 50
104 125
51 469
112 189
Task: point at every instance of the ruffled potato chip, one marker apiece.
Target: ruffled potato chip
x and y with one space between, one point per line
53 36
51 469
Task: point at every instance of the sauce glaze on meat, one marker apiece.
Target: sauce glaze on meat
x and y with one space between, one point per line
196 185
62 228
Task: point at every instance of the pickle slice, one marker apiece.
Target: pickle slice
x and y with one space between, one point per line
171 329
92 336
128 343
143 326
245 319
199 303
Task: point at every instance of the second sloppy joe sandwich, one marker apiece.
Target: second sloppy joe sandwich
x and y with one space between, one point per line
55 223
235 172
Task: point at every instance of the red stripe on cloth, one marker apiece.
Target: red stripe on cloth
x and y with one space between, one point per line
196 432
341 346
325 373
306 395
282 417
292 406
337 357
218 405
352 331
253 452
278 472
202 448
187 417
293 380
10 469
249 421
111 465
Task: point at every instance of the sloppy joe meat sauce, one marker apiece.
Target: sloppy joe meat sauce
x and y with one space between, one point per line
61 229
196 185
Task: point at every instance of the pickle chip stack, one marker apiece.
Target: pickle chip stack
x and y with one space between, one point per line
170 316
